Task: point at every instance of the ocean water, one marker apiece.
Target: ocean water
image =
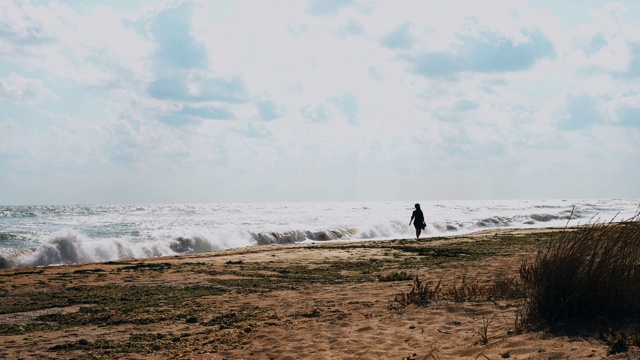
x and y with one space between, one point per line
53 235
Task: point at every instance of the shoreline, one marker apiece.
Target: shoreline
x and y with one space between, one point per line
314 301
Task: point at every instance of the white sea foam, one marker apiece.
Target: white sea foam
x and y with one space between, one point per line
51 235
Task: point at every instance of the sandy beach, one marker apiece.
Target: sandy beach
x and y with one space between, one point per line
305 301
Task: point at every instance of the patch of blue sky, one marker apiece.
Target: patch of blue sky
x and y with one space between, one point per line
74 102
317 113
348 105
176 46
375 74
465 105
399 38
255 131
186 87
8 67
268 110
352 28
581 112
26 116
327 7
572 13
175 120
633 70
595 44
490 53
192 115
629 116
207 112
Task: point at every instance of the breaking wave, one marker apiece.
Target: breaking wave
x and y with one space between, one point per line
75 248
290 237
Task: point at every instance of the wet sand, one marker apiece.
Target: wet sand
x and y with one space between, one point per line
319 301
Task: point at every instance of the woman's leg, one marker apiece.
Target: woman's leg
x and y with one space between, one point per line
418 231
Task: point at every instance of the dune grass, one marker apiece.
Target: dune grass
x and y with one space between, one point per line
584 275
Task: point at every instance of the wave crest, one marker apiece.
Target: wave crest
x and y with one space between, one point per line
196 244
295 236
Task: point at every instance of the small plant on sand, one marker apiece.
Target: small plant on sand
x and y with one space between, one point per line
484 330
421 294
588 273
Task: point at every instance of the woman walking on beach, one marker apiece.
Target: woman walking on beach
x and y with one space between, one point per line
418 220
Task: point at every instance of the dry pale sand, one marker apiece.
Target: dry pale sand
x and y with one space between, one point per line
321 301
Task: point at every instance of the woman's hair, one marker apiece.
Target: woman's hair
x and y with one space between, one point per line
418 206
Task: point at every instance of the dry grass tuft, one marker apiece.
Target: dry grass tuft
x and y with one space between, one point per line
465 291
421 295
501 288
585 274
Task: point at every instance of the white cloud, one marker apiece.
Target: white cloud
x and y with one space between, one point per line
18 89
23 24
95 48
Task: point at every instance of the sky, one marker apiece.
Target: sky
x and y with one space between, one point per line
318 100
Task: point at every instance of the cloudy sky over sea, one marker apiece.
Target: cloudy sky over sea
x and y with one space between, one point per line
231 101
